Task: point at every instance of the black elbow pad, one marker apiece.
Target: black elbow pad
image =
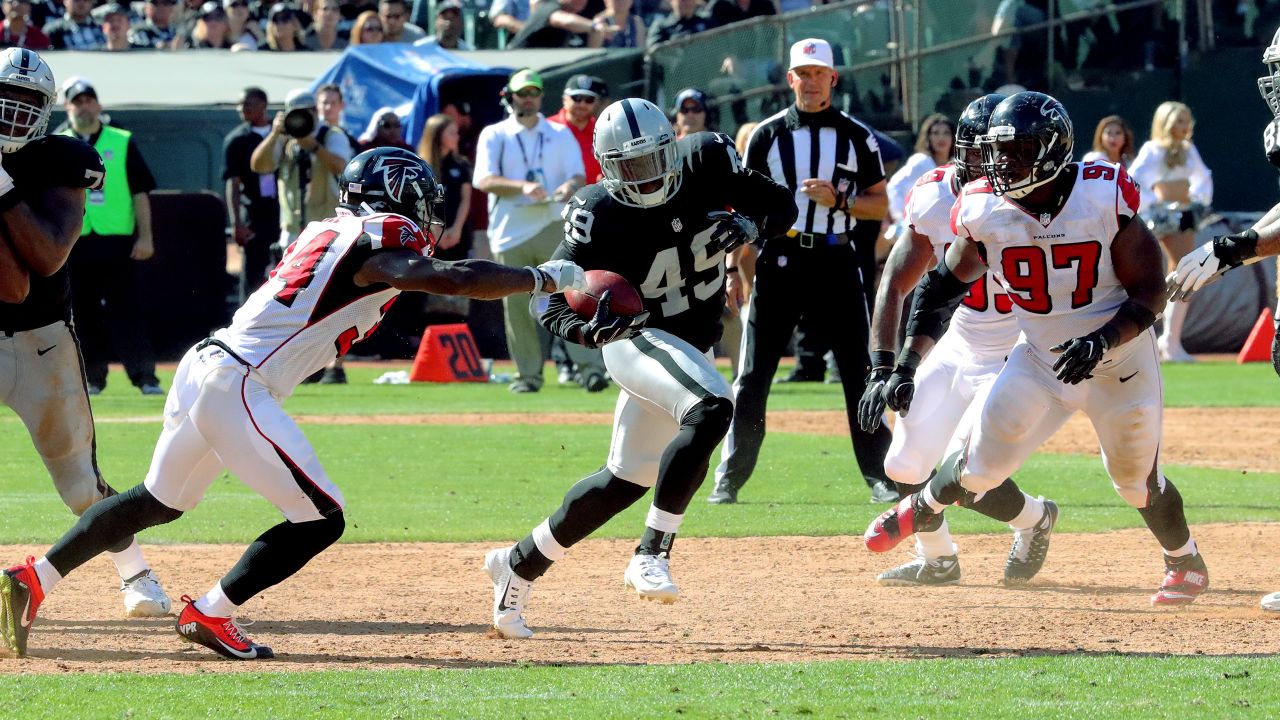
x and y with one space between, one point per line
936 300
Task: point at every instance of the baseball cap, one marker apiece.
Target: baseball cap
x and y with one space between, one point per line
811 51
448 5
281 10
524 79
102 13
301 98
586 85
212 10
693 94
74 87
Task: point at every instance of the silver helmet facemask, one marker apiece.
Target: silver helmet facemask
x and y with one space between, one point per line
638 155
23 120
1269 84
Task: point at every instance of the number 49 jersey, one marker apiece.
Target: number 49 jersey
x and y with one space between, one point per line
1057 268
983 319
666 251
310 309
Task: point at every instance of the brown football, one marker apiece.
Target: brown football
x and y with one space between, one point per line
624 299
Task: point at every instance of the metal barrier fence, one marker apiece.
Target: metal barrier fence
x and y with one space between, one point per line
901 60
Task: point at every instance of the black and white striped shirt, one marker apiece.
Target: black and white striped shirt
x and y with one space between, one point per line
793 146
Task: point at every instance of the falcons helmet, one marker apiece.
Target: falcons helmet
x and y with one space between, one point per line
393 180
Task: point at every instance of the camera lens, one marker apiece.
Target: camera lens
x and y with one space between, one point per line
299 122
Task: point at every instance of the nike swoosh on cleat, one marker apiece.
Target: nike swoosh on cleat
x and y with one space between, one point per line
253 652
22 619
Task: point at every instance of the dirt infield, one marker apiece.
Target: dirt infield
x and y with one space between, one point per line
427 605
745 599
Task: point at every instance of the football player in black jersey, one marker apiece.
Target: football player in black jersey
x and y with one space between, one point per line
43 179
664 216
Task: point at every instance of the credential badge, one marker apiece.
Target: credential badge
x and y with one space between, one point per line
676 225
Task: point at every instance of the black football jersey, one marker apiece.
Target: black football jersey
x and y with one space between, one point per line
666 251
49 161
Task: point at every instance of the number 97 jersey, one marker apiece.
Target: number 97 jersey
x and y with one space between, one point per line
666 251
1056 267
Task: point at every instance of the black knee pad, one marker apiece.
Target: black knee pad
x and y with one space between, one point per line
143 505
711 416
320 534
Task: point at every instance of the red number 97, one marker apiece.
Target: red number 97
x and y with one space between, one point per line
1027 274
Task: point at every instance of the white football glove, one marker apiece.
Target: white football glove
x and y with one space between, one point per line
1194 270
563 274
6 180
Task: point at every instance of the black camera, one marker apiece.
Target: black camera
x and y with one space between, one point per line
300 122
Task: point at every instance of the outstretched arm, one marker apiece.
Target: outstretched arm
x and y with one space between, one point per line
479 279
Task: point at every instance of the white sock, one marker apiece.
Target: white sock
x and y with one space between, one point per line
937 543
663 521
1032 511
1185 550
48 574
215 603
930 500
547 543
129 561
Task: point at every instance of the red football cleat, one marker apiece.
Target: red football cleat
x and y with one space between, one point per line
1184 579
219 634
20 598
901 521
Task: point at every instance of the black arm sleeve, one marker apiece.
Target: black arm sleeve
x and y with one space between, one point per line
936 300
770 205
140 178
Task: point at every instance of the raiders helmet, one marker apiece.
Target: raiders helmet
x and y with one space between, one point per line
966 155
27 94
1029 140
1269 84
636 147
393 180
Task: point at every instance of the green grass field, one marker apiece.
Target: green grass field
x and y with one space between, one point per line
455 483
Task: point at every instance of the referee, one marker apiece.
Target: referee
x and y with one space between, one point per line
832 164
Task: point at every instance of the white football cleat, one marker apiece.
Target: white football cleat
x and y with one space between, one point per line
650 577
510 594
144 597
1271 602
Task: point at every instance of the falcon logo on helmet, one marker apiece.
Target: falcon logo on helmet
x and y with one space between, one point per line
397 174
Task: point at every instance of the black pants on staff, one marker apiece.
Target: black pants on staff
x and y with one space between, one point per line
107 311
811 338
264 220
823 283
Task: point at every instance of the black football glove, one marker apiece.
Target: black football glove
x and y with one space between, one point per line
605 327
731 230
871 406
1079 357
900 388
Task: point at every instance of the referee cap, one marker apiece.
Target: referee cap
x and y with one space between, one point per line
811 51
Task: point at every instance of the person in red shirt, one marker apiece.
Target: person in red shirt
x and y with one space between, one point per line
17 30
583 99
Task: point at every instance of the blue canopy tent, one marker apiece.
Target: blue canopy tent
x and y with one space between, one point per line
416 80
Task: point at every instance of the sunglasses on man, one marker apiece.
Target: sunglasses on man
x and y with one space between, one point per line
529 93
688 109
585 99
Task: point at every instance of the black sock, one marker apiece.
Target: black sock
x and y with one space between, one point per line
279 553
1164 515
106 524
590 503
655 542
1002 502
125 541
945 484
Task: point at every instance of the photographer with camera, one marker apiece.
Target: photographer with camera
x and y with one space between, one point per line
307 156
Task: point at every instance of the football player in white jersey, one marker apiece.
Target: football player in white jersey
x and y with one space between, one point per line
957 371
1221 254
331 289
1085 281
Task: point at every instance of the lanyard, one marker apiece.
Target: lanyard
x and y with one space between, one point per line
537 158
